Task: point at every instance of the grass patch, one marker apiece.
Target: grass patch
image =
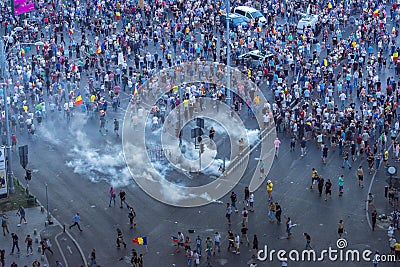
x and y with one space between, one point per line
19 198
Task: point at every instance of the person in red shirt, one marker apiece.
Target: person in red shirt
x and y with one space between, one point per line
13 142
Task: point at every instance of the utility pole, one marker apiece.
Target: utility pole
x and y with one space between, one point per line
10 175
228 54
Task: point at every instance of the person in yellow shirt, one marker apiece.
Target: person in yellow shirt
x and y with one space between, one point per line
270 185
314 177
256 100
397 250
386 158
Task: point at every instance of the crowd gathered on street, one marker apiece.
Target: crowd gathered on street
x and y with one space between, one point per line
333 85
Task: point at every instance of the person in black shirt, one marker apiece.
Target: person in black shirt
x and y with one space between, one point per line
328 189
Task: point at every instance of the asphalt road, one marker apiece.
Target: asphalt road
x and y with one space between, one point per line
79 164
58 156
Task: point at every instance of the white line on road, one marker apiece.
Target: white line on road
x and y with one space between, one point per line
59 247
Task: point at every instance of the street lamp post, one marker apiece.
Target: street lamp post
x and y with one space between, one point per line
228 54
5 73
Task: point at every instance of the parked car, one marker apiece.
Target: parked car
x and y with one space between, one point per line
251 13
307 22
235 21
256 58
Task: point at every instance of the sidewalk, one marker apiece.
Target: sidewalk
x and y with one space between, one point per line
35 225
64 247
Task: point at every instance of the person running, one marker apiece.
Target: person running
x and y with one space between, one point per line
45 245
75 221
181 242
120 239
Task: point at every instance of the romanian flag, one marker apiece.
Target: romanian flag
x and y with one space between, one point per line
71 31
175 88
78 100
98 51
174 239
331 4
376 12
118 15
273 30
135 91
140 241
395 56
393 30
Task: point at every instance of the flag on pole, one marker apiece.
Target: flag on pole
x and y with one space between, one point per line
78 100
140 241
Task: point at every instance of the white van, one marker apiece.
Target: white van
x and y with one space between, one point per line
251 13
308 21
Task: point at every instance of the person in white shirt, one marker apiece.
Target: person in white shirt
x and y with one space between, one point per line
237 244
